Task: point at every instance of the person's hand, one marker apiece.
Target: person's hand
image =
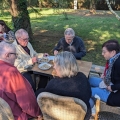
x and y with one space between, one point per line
55 52
34 60
40 117
109 88
45 54
102 76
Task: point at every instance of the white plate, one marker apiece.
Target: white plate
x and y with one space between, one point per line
44 66
43 60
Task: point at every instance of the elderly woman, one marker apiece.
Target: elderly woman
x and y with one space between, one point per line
108 86
6 32
70 82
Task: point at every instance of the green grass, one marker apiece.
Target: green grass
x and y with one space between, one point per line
94 30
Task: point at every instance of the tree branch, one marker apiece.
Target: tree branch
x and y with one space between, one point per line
110 8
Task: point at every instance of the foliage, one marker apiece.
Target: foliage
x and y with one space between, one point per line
94 30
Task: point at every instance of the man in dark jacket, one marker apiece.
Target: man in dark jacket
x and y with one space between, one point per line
71 43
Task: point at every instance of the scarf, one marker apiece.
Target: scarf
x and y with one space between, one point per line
107 79
106 67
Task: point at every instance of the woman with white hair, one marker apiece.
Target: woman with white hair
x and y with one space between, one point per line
70 82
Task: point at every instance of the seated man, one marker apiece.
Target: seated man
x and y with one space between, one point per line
26 56
71 43
15 89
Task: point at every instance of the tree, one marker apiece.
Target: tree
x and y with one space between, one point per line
20 15
92 6
110 8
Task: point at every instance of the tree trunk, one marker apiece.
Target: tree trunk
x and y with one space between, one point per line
110 8
20 16
92 7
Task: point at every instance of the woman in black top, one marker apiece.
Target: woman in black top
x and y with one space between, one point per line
108 86
70 82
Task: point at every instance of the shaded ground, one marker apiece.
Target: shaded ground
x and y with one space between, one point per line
44 41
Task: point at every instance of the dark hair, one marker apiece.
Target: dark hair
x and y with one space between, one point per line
7 29
112 45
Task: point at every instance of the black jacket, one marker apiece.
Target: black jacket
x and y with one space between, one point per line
77 86
114 98
77 47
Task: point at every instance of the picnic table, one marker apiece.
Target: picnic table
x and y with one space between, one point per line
84 67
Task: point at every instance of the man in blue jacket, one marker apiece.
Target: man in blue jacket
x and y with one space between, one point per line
71 43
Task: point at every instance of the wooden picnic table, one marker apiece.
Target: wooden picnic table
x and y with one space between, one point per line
84 67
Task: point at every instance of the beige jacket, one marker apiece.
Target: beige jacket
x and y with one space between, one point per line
24 59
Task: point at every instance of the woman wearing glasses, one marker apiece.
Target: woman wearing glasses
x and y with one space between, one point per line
108 86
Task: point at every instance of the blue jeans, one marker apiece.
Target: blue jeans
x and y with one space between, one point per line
101 92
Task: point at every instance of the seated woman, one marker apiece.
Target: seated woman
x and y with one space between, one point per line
70 82
108 86
5 32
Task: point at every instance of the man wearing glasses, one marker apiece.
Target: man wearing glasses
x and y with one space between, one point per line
14 88
26 54
71 43
27 57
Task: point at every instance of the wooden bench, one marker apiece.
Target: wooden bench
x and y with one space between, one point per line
97 69
106 112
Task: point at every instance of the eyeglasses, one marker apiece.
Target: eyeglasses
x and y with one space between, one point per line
14 54
25 39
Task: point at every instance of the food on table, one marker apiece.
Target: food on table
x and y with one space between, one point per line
44 66
43 59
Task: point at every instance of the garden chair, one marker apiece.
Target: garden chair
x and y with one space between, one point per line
106 112
5 111
56 107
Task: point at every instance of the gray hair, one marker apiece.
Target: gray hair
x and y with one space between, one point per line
66 64
20 32
5 47
69 31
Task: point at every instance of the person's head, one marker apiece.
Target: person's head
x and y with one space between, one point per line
4 27
69 35
22 37
7 52
110 48
65 64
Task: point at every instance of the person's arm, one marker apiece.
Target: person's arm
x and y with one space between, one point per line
115 87
82 50
21 62
59 46
116 76
25 96
24 60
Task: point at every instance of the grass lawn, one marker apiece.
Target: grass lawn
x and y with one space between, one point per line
48 27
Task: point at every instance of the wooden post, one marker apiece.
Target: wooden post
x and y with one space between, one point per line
75 4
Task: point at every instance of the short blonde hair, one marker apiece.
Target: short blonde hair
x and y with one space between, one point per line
66 64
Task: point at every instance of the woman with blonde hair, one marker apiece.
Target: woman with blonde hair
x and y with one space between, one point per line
69 81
